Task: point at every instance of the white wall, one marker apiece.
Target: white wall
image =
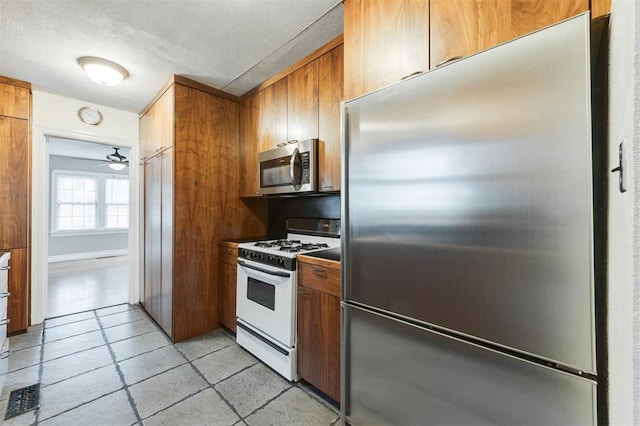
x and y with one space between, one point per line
624 219
57 116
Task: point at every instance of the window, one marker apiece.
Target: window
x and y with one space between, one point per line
89 202
117 203
76 202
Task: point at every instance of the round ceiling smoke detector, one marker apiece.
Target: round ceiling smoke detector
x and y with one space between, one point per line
103 71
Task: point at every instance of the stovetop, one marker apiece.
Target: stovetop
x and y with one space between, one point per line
281 253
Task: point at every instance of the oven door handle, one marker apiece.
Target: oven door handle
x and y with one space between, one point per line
266 271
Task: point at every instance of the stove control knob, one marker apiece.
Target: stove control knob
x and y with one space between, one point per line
245 253
254 254
260 256
280 261
270 258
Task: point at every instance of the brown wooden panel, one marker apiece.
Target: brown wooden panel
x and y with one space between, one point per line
321 275
15 166
464 27
228 253
250 144
319 340
600 7
227 295
330 94
274 115
14 101
18 303
206 205
302 103
531 15
157 124
384 41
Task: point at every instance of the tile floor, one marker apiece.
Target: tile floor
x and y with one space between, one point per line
113 366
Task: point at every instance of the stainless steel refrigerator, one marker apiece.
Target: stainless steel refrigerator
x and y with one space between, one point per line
470 251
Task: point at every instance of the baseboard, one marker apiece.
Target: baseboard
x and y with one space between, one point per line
88 255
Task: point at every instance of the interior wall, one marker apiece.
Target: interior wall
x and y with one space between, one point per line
55 115
624 217
71 247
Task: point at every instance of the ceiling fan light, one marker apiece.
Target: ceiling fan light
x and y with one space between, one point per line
103 71
117 166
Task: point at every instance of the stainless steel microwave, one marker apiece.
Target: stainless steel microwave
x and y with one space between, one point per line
291 168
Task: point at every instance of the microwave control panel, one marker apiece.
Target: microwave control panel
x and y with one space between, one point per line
306 168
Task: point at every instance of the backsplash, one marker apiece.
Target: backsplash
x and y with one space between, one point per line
322 206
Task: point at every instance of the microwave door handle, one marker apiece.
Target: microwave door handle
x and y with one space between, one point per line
295 180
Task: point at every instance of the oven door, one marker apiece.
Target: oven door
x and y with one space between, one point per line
266 300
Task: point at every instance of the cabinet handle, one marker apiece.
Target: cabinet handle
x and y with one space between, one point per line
5 354
4 322
411 75
5 268
303 293
327 186
320 272
281 144
160 149
229 250
5 295
446 61
292 141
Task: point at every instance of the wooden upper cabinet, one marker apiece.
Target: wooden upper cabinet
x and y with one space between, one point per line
384 41
274 115
331 93
250 144
302 103
463 27
15 176
600 7
157 124
14 101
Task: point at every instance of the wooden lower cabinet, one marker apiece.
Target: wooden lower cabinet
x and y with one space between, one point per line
318 324
227 284
18 303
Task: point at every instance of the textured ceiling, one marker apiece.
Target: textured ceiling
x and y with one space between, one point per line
232 45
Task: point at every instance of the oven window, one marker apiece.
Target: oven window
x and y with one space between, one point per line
262 293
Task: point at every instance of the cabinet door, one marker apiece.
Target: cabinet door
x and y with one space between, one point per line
250 136
330 94
384 41
152 238
319 340
227 296
14 101
18 303
157 125
274 115
302 103
462 27
600 7
15 176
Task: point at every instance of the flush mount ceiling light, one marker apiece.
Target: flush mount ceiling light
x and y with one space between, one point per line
102 71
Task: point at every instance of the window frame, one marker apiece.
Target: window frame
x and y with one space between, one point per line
101 205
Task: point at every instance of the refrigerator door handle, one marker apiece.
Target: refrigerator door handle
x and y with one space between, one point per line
620 169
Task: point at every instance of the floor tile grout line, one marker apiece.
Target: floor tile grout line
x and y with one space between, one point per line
177 402
37 410
317 397
268 402
120 374
133 308
93 310
83 404
212 385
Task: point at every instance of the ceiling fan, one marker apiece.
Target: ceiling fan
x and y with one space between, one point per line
117 161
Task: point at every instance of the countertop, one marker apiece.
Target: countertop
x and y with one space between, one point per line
331 254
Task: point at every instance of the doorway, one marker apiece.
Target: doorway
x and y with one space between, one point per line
88 225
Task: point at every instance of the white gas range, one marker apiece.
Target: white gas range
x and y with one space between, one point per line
267 291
